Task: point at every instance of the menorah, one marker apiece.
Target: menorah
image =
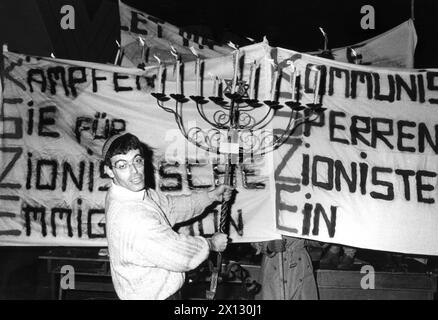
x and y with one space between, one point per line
239 116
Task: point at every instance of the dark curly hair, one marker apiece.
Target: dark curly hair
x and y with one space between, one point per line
126 143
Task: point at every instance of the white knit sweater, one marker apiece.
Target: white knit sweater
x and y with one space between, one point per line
148 259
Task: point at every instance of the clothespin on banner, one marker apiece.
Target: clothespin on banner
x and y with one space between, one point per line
325 38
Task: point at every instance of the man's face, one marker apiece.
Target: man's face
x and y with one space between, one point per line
128 170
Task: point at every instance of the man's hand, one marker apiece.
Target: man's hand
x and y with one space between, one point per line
223 191
218 242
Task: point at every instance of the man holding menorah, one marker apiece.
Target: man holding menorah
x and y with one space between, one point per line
148 258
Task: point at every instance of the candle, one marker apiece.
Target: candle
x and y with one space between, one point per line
236 66
293 79
116 61
297 85
160 74
219 88
274 85
252 80
142 44
118 53
198 76
325 38
214 94
317 82
178 70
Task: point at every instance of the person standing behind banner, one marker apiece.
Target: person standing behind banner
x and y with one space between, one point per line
332 258
148 258
296 270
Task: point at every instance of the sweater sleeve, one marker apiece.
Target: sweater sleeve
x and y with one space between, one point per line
145 241
183 208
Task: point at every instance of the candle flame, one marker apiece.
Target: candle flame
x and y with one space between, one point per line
158 59
141 40
232 45
354 52
193 50
292 65
174 52
272 62
118 44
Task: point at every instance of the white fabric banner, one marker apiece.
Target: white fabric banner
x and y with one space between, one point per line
394 48
57 115
158 36
364 173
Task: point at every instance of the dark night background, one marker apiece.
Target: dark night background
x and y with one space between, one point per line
32 26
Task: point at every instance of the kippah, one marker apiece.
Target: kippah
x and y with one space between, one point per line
109 142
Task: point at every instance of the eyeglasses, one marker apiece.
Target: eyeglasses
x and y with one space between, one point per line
138 162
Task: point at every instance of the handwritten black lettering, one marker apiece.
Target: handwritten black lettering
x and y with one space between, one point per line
16 151
72 80
46 119
57 73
